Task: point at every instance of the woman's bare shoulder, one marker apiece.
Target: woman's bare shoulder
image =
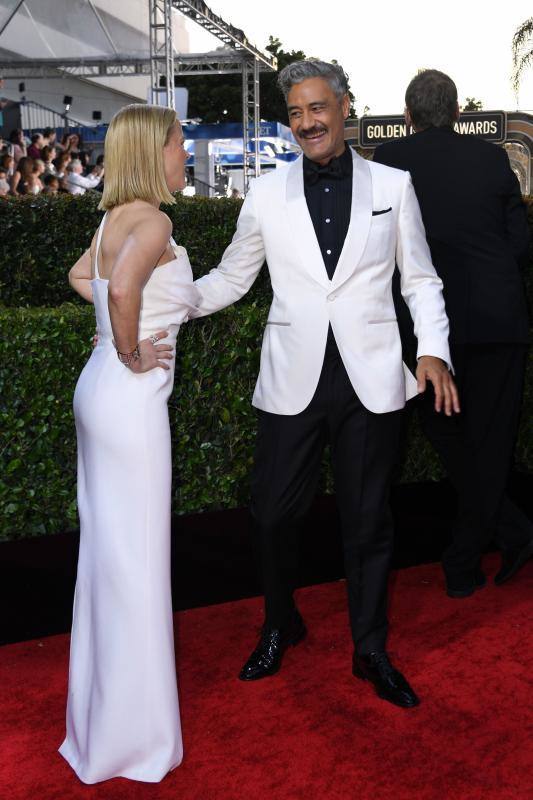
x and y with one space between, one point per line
145 216
138 224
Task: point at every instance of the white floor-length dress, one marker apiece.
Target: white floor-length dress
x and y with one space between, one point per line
122 711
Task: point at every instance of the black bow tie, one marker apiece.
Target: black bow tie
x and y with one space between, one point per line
313 172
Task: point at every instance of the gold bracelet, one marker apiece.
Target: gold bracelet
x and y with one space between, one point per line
128 358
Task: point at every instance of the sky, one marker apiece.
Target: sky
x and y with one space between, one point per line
382 45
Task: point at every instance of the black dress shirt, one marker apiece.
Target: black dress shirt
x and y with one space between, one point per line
329 200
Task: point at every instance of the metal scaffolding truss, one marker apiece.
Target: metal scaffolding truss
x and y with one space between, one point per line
232 37
250 117
161 53
252 58
219 62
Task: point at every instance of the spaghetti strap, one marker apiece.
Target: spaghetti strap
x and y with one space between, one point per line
98 240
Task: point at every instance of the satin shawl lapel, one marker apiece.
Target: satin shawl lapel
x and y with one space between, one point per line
360 219
301 226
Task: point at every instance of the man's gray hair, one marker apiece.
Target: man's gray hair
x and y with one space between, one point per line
300 71
431 99
74 163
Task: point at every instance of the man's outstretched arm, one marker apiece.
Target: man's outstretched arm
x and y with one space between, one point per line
239 267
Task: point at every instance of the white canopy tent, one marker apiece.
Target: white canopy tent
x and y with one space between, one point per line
76 30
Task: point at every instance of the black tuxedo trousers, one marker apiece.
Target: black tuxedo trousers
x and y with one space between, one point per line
476 448
286 470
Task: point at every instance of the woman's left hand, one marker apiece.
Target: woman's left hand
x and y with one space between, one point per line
153 355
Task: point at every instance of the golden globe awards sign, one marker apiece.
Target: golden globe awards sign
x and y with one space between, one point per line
489 125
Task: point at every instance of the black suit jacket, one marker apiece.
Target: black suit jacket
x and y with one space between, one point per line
476 227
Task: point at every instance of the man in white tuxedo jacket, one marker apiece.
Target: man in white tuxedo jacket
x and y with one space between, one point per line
331 226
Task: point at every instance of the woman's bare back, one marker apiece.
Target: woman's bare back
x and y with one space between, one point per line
120 225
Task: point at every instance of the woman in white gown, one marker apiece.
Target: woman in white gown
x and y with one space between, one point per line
122 712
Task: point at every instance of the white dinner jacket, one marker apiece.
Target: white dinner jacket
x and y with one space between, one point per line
275 224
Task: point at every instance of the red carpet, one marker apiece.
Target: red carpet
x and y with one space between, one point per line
313 732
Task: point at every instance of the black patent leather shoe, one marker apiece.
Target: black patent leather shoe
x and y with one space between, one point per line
465 585
267 657
389 683
512 561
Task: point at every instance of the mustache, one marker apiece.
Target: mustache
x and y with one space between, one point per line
305 134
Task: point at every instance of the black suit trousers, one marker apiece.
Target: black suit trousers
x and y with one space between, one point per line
288 455
476 448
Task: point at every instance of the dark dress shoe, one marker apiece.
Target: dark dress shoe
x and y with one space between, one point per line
390 684
512 561
267 657
465 586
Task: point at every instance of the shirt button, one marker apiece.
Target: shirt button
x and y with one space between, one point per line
326 189
328 252
328 220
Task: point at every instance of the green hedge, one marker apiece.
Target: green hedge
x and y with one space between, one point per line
42 237
42 351
41 354
213 423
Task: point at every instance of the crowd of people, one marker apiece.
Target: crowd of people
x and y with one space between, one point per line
45 165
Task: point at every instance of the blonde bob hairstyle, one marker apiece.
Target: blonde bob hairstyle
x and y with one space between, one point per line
134 167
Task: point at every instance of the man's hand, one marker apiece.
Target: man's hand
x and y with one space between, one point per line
435 370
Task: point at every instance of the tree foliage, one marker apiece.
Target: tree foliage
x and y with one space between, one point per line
522 51
471 104
218 98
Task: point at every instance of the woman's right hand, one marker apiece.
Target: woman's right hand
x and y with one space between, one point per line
153 355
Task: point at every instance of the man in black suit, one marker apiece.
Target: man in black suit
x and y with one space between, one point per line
477 231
